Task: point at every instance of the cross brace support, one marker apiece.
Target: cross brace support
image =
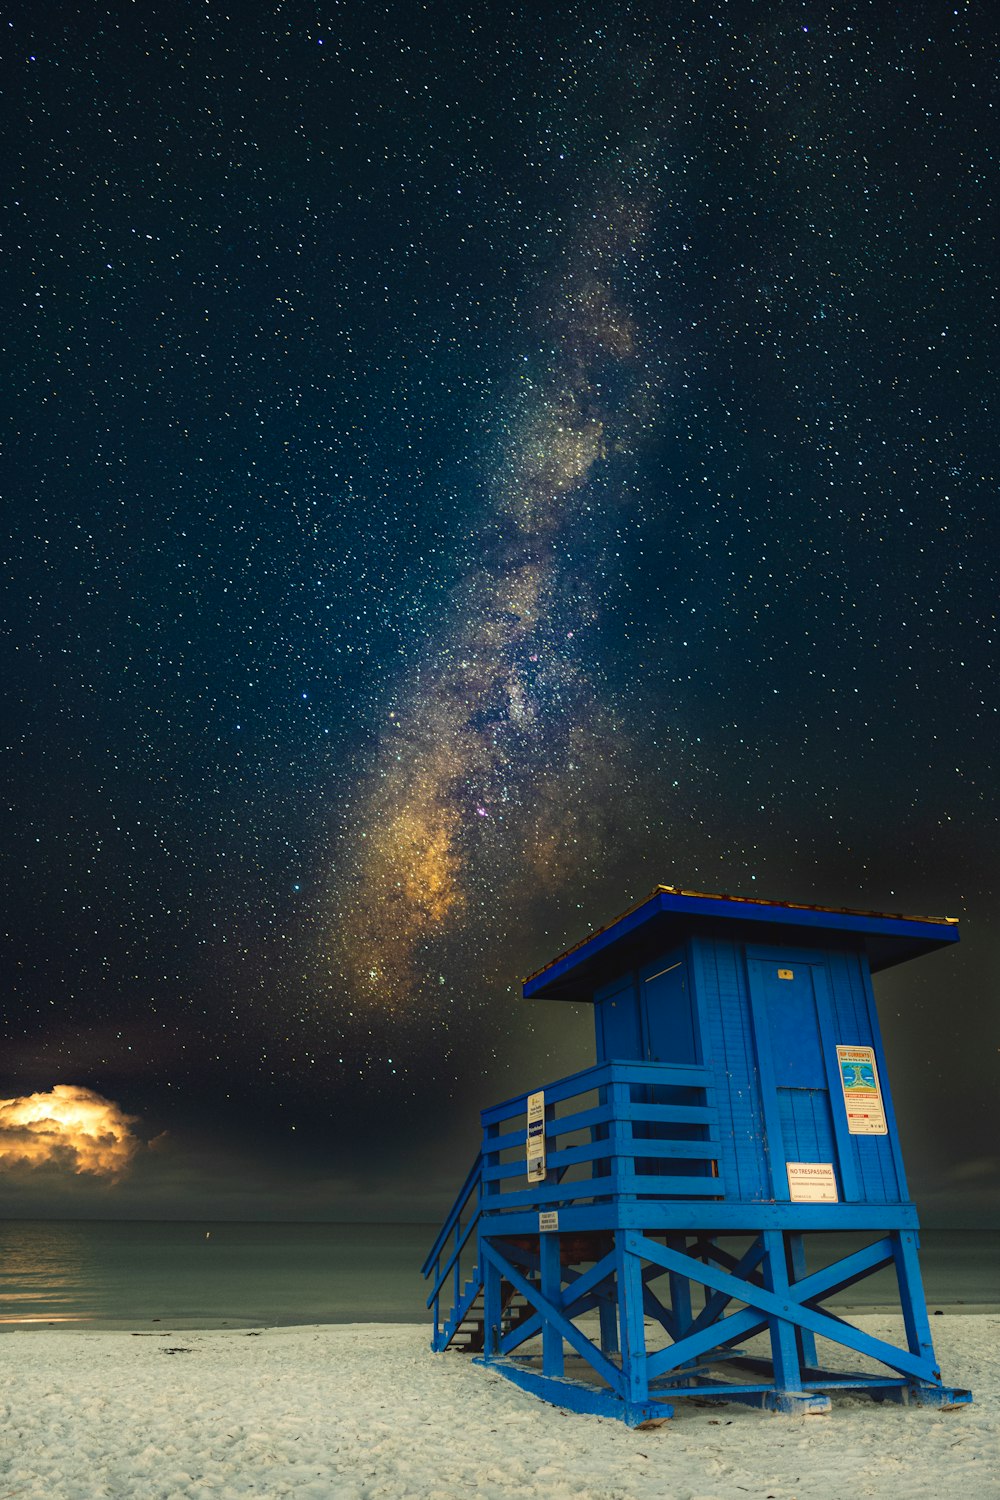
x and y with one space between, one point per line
772 1292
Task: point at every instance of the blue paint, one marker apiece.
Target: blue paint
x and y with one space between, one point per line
717 1023
666 914
616 1020
667 1013
793 1027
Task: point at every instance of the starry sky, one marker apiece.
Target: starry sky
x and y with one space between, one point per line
464 465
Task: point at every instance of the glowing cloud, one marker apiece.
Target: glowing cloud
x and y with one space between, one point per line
70 1128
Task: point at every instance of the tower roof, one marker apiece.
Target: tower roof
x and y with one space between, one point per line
669 915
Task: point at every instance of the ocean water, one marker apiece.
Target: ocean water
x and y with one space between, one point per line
131 1273
191 1275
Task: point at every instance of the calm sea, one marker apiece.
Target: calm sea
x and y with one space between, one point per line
133 1274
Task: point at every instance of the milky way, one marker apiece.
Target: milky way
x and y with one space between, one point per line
495 758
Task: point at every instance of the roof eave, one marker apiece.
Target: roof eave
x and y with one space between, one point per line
888 938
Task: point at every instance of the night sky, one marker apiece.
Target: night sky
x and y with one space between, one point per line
464 466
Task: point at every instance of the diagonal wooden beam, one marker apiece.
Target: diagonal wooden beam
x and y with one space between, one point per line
576 1298
651 1304
759 1300
823 1283
845 1272
584 1283
723 1258
552 1315
728 1330
528 1329
719 1301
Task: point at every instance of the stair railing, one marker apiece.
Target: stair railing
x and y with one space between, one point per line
467 1205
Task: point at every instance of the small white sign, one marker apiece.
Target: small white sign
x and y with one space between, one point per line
549 1221
811 1182
536 1165
535 1143
862 1091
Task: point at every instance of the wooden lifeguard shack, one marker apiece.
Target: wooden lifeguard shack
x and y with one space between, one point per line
671 1221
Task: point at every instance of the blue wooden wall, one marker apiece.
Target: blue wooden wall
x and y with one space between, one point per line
771 1045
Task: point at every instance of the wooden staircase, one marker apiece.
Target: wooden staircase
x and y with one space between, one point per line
465 1331
458 1239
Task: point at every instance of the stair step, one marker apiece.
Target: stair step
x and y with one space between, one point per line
464 1331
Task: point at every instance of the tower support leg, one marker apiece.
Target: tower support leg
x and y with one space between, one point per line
914 1308
680 1291
551 1285
796 1262
608 1314
788 1395
492 1309
633 1334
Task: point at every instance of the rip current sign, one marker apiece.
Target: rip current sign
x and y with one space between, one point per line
862 1093
535 1144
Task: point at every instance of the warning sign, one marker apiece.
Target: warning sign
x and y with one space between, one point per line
535 1144
862 1093
811 1182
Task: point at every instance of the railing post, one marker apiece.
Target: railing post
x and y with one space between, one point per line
458 1263
492 1310
492 1288
491 1158
608 1314
436 1307
622 1144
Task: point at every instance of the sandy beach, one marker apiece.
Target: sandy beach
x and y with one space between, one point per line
366 1410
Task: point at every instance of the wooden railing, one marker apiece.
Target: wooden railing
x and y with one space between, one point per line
461 1229
620 1129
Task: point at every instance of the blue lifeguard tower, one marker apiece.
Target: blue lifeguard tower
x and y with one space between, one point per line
638 1232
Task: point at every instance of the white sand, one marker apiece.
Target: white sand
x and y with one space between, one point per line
367 1410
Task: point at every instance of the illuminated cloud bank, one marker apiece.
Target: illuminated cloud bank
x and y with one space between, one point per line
71 1128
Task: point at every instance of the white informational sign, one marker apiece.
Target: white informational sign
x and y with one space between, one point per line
811 1182
862 1094
535 1144
548 1222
